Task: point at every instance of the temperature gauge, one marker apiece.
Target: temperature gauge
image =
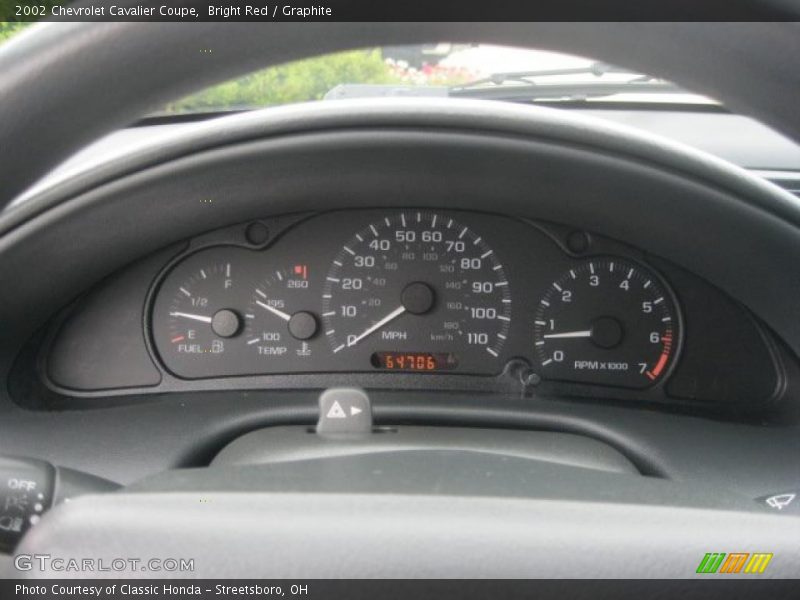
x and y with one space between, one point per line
280 325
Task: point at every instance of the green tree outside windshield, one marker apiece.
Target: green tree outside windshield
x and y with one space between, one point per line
300 81
9 28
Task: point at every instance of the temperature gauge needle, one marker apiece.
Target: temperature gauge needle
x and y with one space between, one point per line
274 311
200 318
390 317
569 334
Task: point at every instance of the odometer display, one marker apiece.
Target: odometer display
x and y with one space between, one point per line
414 361
414 280
607 322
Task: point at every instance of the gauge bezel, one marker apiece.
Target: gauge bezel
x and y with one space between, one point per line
235 236
514 362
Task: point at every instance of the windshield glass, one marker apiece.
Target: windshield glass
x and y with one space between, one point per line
461 70
440 69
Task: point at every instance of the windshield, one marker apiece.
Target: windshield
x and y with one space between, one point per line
461 70
440 69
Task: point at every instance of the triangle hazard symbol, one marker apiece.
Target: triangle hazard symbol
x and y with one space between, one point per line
336 412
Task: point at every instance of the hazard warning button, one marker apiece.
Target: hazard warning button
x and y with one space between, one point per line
344 410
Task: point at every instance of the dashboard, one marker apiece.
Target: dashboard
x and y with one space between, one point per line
414 298
656 280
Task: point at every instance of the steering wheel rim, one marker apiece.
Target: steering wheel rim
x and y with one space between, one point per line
52 72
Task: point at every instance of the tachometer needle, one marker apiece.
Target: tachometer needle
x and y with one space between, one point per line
274 311
569 334
200 318
390 317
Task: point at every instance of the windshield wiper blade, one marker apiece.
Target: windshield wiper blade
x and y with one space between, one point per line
565 91
597 69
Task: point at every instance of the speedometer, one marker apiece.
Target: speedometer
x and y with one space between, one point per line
418 291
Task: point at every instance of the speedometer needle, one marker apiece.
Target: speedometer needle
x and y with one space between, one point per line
274 311
570 334
200 318
390 317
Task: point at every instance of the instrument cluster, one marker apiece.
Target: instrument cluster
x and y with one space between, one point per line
416 291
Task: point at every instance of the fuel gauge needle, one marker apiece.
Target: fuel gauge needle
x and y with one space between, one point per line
201 318
569 334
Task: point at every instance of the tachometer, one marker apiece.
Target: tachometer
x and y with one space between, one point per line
607 322
418 291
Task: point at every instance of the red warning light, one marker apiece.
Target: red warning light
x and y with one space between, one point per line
301 271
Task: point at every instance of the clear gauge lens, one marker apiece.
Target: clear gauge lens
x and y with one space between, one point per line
280 325
197 318
421 285
607 322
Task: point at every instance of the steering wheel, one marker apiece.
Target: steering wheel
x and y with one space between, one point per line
51 73
49 85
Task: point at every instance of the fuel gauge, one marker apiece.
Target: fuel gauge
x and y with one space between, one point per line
197 318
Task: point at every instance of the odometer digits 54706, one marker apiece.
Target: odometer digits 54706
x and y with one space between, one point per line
418 282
